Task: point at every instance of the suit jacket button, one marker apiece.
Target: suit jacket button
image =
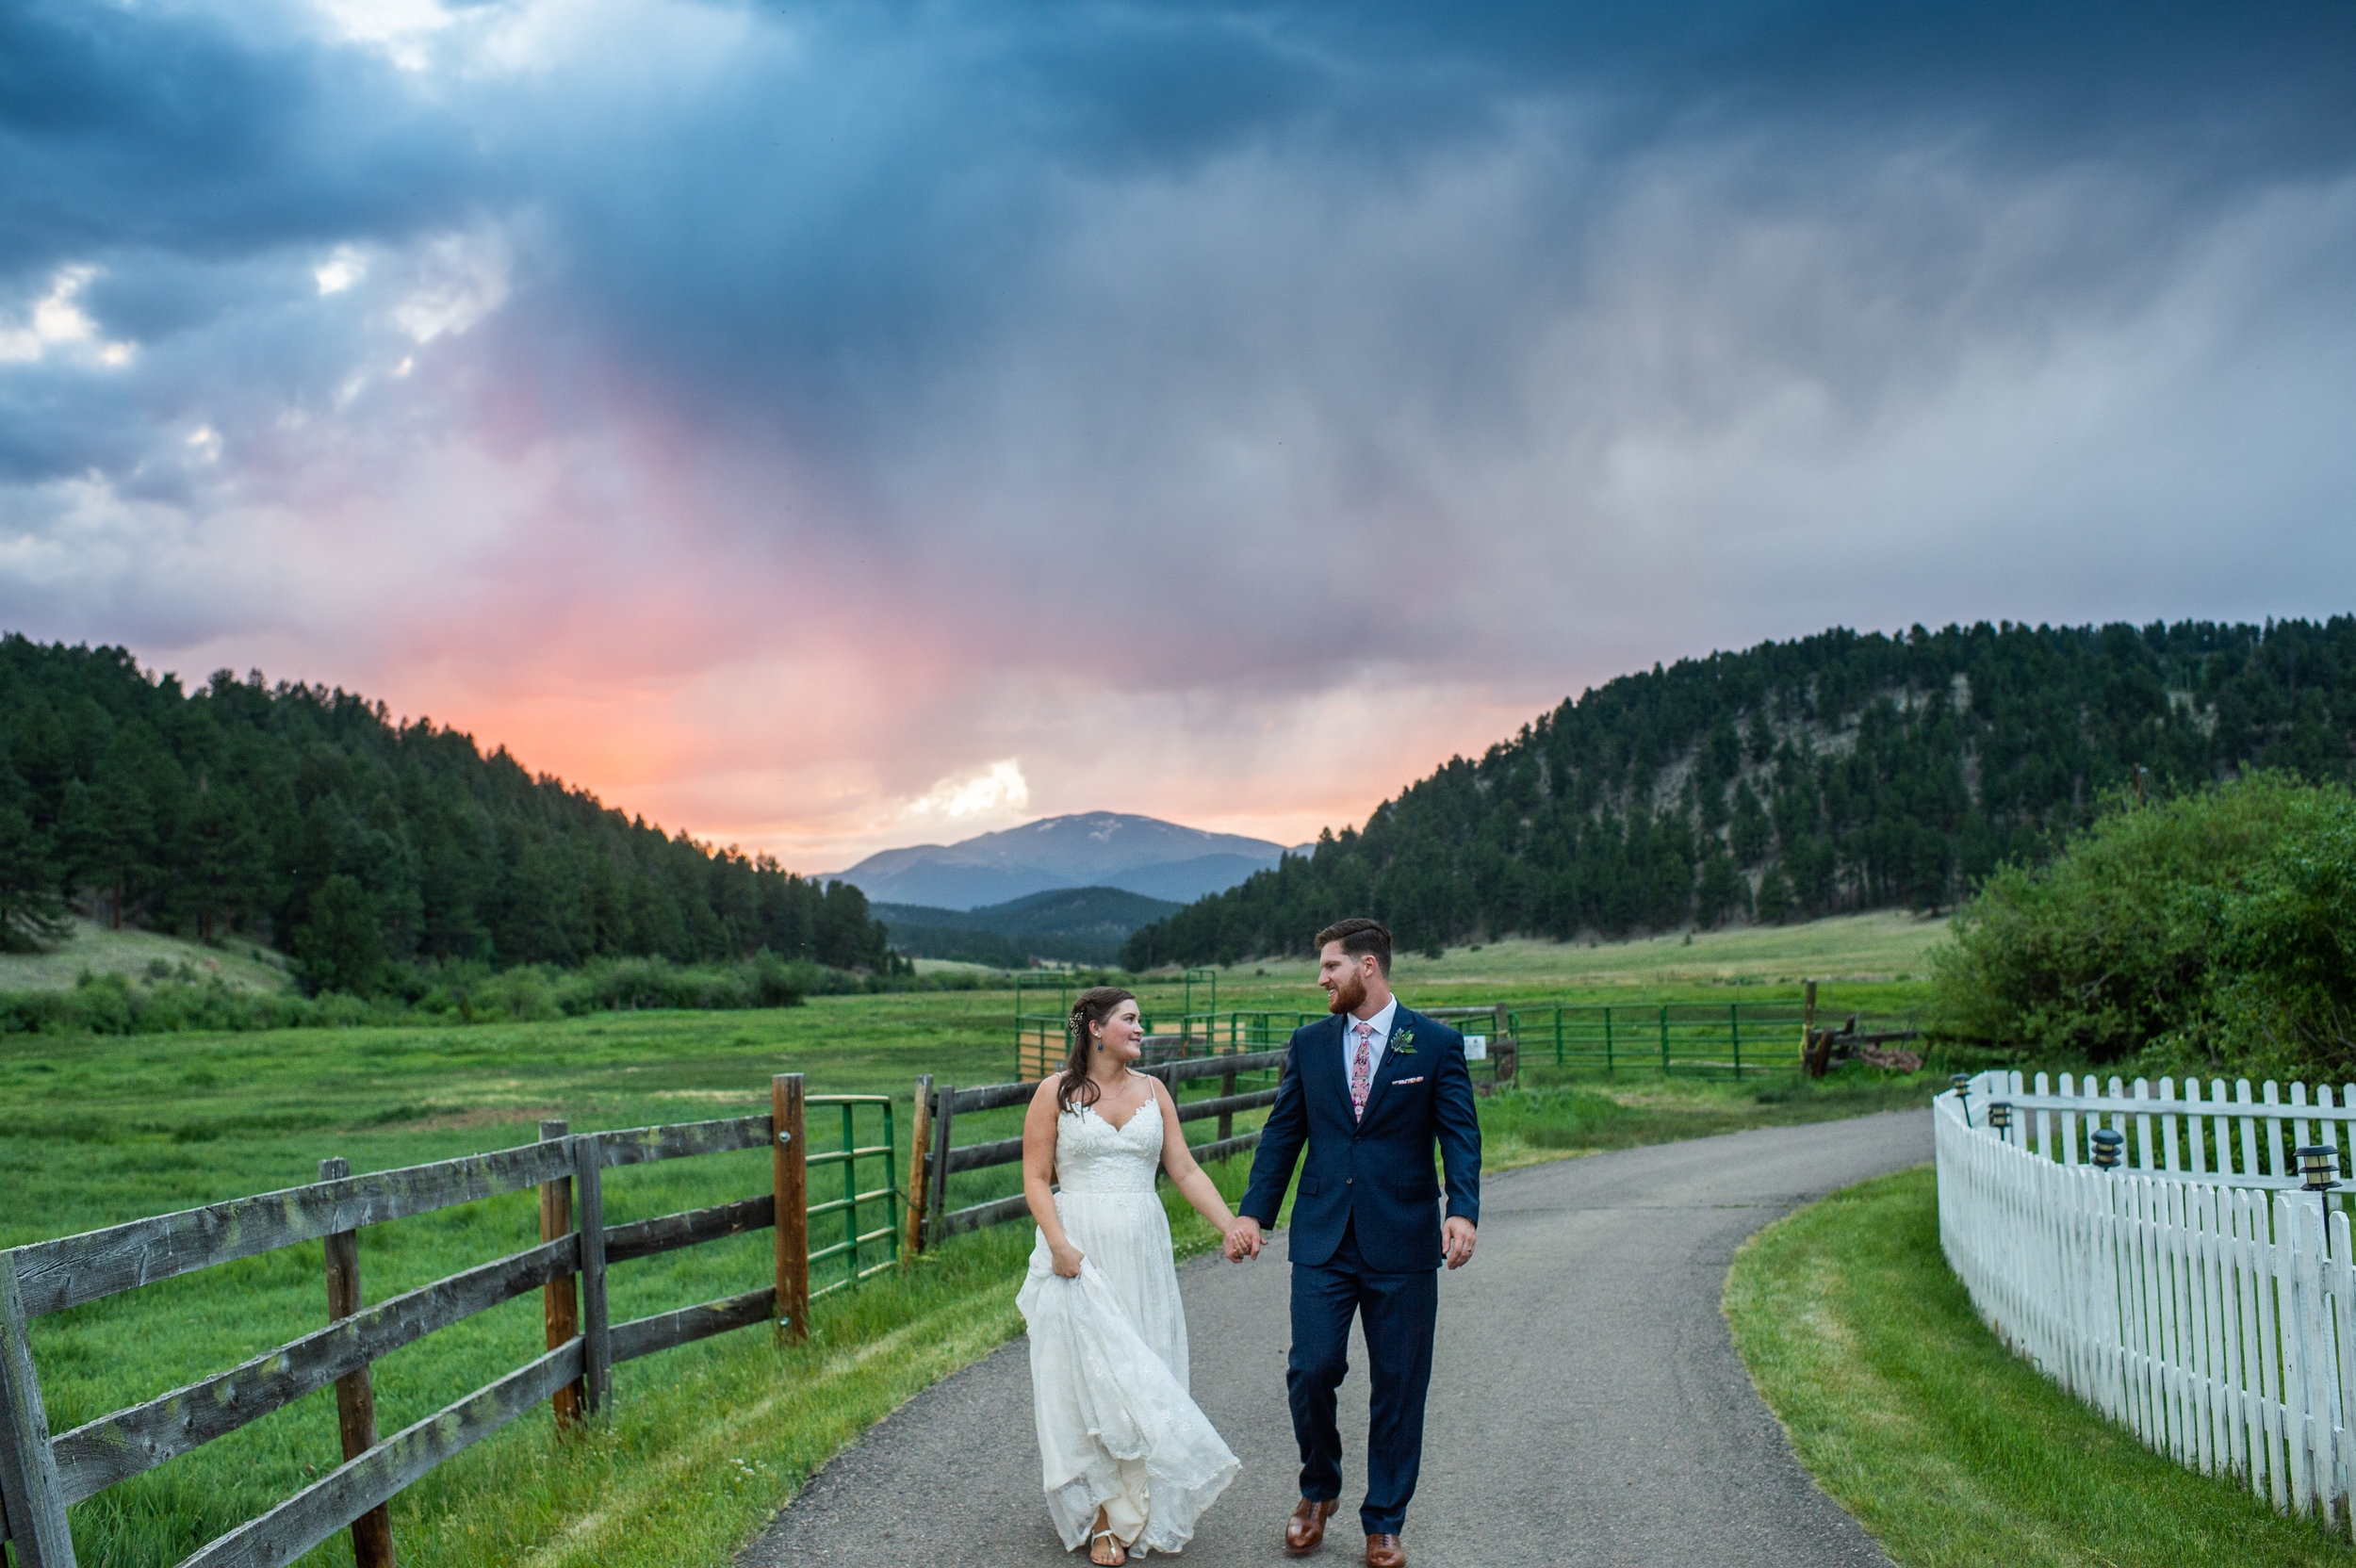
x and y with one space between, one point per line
1350 1180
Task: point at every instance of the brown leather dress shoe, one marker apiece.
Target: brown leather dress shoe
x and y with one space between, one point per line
1384 1551
1304 1532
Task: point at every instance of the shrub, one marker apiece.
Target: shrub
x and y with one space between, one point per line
2202 927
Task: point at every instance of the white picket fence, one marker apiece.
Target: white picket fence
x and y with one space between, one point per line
2188 1294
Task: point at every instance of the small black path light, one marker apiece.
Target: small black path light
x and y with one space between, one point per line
2108 1144
1962 1084
2000 1119
2319 1166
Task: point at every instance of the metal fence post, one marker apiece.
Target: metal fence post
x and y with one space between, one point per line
596 1344
29 1466
790 1180
355 1392
850 1196
560 1298
892 1182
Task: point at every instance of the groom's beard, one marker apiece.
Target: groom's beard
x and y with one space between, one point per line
1346 996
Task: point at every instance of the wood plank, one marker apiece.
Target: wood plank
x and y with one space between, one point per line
981 1156
788 1175
1225 1106
1210 1153
1174 1073
355 1393
115 1448
341 1495
944 1129
988 1097
681 1140
597 1358
920 1131
978 1216
669 1232
28 1468
643 1337
560 1298
991 1097
54 1275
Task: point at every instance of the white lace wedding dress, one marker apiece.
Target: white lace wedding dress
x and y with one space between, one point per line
1117 1426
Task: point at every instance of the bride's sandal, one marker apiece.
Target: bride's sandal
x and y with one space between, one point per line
1103 1539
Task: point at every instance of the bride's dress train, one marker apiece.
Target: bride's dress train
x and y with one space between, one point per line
1117 1426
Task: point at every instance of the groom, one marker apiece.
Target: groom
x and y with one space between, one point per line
1366 1090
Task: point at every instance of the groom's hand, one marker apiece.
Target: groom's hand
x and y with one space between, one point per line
1242 1239
1456 1241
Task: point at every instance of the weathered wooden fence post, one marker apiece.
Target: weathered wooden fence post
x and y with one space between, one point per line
597 1341
1807 1030
1226 1119
945 1115
789 1153
1505 1050
920 1131
29 1466
560 1299
355 1392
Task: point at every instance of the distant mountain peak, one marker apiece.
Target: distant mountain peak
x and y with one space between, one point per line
1109 849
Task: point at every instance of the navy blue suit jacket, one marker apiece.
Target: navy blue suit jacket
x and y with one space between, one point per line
1377 1172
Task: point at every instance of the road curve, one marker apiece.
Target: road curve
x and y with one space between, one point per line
1587 1407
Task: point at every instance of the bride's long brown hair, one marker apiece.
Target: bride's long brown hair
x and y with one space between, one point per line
1095 1005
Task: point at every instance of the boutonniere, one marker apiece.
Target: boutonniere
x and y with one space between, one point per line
1403 1043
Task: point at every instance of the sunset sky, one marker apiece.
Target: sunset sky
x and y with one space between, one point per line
825 427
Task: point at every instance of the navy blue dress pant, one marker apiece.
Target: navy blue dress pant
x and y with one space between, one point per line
1400 1313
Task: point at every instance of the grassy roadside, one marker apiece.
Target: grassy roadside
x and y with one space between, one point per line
1952 1451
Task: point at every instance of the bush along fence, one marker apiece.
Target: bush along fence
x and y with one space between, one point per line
2175 1257
41 1476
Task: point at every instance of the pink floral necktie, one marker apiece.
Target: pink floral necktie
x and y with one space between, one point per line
1362 1073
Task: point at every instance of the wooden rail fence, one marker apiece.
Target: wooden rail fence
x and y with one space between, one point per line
1733 1039
2192 1293
41 1477
930 1221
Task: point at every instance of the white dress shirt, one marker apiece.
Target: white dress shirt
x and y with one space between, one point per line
1381 1022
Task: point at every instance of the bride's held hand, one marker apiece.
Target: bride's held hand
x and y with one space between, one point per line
1067 1260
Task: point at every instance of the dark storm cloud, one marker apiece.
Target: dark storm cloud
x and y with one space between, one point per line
1542 301
135 128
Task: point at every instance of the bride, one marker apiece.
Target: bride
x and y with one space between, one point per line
1127 1459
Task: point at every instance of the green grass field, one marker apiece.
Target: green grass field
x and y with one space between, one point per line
137 955
706 1440
1951 1450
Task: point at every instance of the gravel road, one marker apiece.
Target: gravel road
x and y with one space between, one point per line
1586 1408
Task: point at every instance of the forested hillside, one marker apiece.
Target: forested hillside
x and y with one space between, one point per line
1078 926
307 818
1838 772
